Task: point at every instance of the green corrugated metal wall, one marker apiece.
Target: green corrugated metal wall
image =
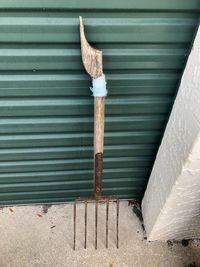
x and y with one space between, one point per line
46 112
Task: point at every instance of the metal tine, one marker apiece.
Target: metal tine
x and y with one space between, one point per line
96 221
107 214
74 224
117 222
85 223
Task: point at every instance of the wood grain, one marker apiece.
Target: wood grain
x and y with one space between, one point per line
91 57
99 109
92 61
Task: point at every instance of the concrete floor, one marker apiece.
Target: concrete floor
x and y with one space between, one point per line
42 236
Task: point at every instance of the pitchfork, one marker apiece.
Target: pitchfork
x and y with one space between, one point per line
93 63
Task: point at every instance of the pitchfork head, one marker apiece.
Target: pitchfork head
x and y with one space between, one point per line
101 199
92 58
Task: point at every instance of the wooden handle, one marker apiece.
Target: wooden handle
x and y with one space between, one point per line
99 109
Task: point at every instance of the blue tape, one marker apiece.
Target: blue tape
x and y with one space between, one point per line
99 86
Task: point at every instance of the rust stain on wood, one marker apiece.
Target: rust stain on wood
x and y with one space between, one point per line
98 173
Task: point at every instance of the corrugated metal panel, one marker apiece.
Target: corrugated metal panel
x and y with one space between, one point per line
45 108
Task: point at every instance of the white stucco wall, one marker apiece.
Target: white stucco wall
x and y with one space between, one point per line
171 204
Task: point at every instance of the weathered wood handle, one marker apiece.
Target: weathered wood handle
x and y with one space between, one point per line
99 110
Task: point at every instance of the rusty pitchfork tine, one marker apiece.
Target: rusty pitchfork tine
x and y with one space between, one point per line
85 223
117 222
96 221
74 224
107 214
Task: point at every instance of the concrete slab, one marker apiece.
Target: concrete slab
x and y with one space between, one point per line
42 236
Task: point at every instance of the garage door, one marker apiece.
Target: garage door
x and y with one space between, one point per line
46 111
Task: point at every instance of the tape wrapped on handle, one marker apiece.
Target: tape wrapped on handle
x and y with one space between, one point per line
99 86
